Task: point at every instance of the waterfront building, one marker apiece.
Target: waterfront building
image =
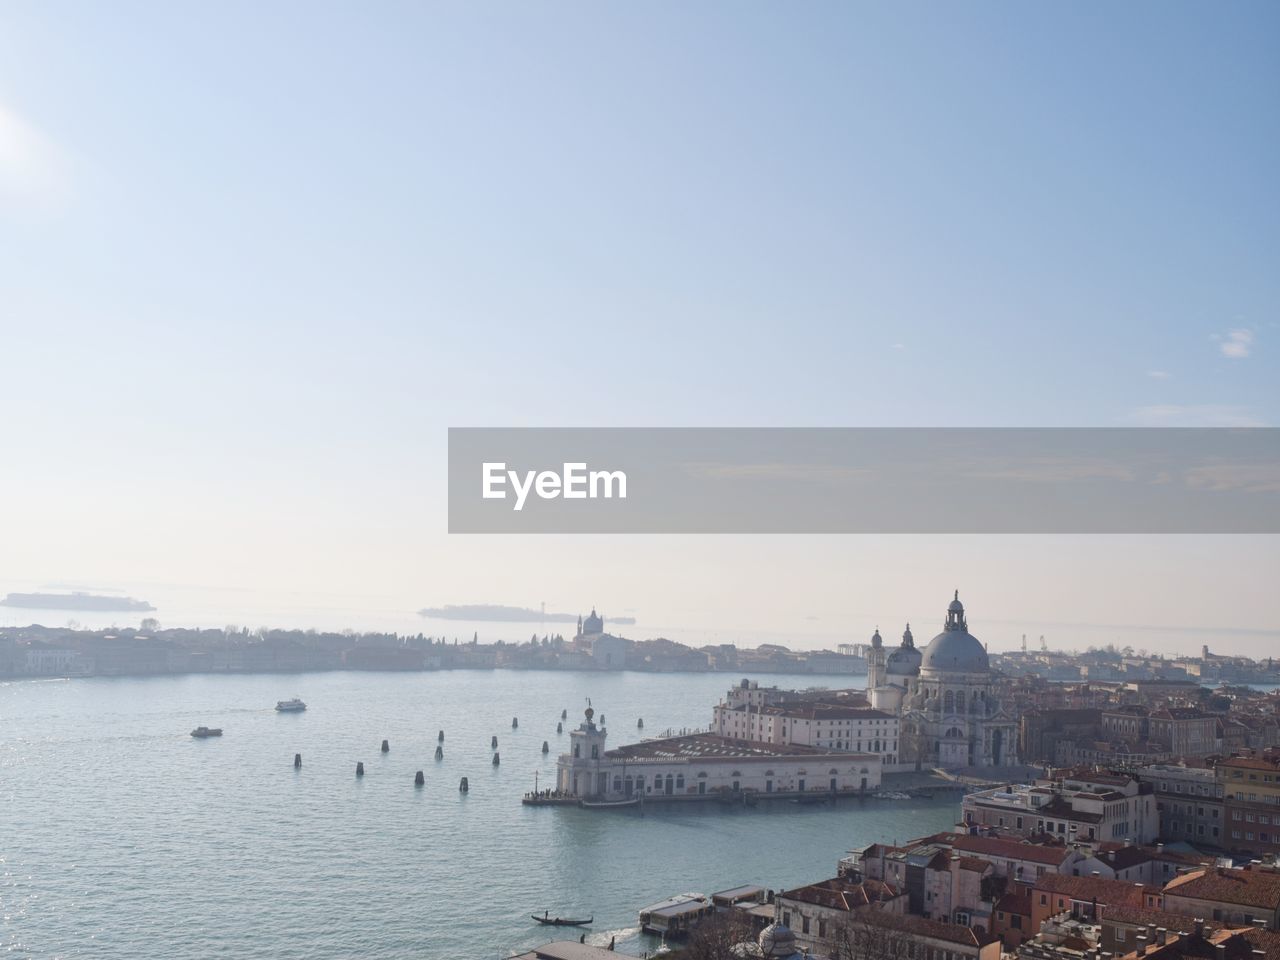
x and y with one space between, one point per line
704 764
834 720
816 911
1083 806
872 931
596 649
948 706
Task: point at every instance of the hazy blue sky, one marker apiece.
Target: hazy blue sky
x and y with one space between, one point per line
255 259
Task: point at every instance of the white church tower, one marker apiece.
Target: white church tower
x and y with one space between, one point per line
578 772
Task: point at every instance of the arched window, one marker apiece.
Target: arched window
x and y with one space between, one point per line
948 702
960 701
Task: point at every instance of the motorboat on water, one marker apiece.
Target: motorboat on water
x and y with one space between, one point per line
201 732
290 706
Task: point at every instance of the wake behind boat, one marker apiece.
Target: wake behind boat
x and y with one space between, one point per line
290 706
551 921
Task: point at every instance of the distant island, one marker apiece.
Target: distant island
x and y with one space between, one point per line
74 601
497 613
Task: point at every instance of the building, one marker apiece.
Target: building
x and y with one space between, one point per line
816 911
832 720
872 931
1240 897
1086 898
705 764
1251 797
949 711
1189 801
1077 806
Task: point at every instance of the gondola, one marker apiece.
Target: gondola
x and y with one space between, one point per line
562 921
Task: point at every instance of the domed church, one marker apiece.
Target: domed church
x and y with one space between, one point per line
949 712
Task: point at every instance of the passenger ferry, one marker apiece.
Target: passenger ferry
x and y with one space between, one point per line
290 706
202 732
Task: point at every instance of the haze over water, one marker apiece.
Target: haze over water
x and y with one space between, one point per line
124 837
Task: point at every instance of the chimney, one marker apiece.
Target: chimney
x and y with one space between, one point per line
1162 936
1142 947
1159 848
1220 950
1199 926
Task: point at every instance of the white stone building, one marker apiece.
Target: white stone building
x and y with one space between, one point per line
949 712
706 765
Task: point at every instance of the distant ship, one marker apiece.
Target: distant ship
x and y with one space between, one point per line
201 733
73 601
290 706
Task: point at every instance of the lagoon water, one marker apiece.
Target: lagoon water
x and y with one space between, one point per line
121 836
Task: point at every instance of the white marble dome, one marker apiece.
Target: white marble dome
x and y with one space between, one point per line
955 650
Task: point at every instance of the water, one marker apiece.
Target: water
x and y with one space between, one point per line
121 836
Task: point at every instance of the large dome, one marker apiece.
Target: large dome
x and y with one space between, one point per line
955 650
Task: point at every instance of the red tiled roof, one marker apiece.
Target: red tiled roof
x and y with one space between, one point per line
1011 849
1248 887
1093 888
920 927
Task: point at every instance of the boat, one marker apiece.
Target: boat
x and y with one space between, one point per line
290 706
561 921
202 732
892 795
610 804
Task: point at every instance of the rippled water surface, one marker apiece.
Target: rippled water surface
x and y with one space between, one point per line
121 836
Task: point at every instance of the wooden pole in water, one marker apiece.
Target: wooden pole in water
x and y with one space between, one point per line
386 747
495 759
546 747
359 768
463 787
297 760
419 779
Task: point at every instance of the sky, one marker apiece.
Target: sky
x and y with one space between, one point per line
255 260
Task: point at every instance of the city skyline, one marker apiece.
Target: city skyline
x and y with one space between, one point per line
259 263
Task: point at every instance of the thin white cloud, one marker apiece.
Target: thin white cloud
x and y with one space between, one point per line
1195 415
1237 343
1159 374
35 173
897 346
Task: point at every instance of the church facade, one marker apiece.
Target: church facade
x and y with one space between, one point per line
949 709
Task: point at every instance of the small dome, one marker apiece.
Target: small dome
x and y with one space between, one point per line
904 661
593 624
777 940
876 640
